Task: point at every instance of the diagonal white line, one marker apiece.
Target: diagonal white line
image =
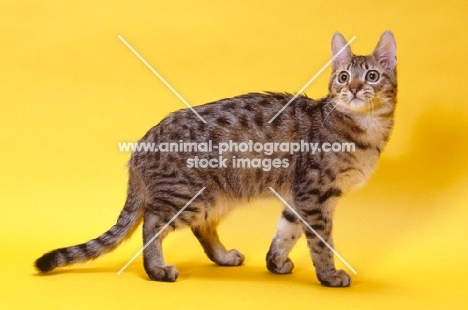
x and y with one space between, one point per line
160 231
313 230
311 80
162 79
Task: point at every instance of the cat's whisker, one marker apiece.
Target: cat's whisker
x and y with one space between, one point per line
325 118
387 104
371 105
329 102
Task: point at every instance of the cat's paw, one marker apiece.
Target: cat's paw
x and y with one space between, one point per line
276 266
336 278
166 273
232 258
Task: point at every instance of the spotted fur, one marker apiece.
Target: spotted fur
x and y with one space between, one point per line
358 109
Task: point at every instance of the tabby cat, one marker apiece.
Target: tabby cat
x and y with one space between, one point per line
359 109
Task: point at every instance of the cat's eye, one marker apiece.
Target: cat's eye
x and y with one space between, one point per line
372 76
343 77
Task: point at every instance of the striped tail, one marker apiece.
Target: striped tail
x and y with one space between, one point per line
128 221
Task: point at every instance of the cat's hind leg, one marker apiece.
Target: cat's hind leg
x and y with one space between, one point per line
153 259
207 235
289 231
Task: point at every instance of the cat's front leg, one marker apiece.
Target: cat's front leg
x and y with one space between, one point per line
289 231
317 211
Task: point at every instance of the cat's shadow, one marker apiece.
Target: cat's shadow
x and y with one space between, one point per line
409 190
210 272
434 162
301 276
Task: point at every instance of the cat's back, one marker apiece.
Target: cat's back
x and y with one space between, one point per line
238 118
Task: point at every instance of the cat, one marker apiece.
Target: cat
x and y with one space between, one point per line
359 109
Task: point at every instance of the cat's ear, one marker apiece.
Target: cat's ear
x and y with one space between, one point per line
385 51
338 42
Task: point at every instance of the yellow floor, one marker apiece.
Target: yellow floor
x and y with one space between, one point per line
70 91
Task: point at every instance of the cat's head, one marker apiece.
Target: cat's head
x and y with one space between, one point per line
364 84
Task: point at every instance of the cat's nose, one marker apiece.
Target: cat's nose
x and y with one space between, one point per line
355 88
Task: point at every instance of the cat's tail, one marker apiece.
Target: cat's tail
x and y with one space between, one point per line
128 221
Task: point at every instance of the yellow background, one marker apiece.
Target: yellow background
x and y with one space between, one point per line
70 90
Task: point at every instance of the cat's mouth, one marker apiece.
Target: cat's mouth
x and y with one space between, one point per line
357 100
358 105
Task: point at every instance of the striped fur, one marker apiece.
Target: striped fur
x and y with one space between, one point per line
358 109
